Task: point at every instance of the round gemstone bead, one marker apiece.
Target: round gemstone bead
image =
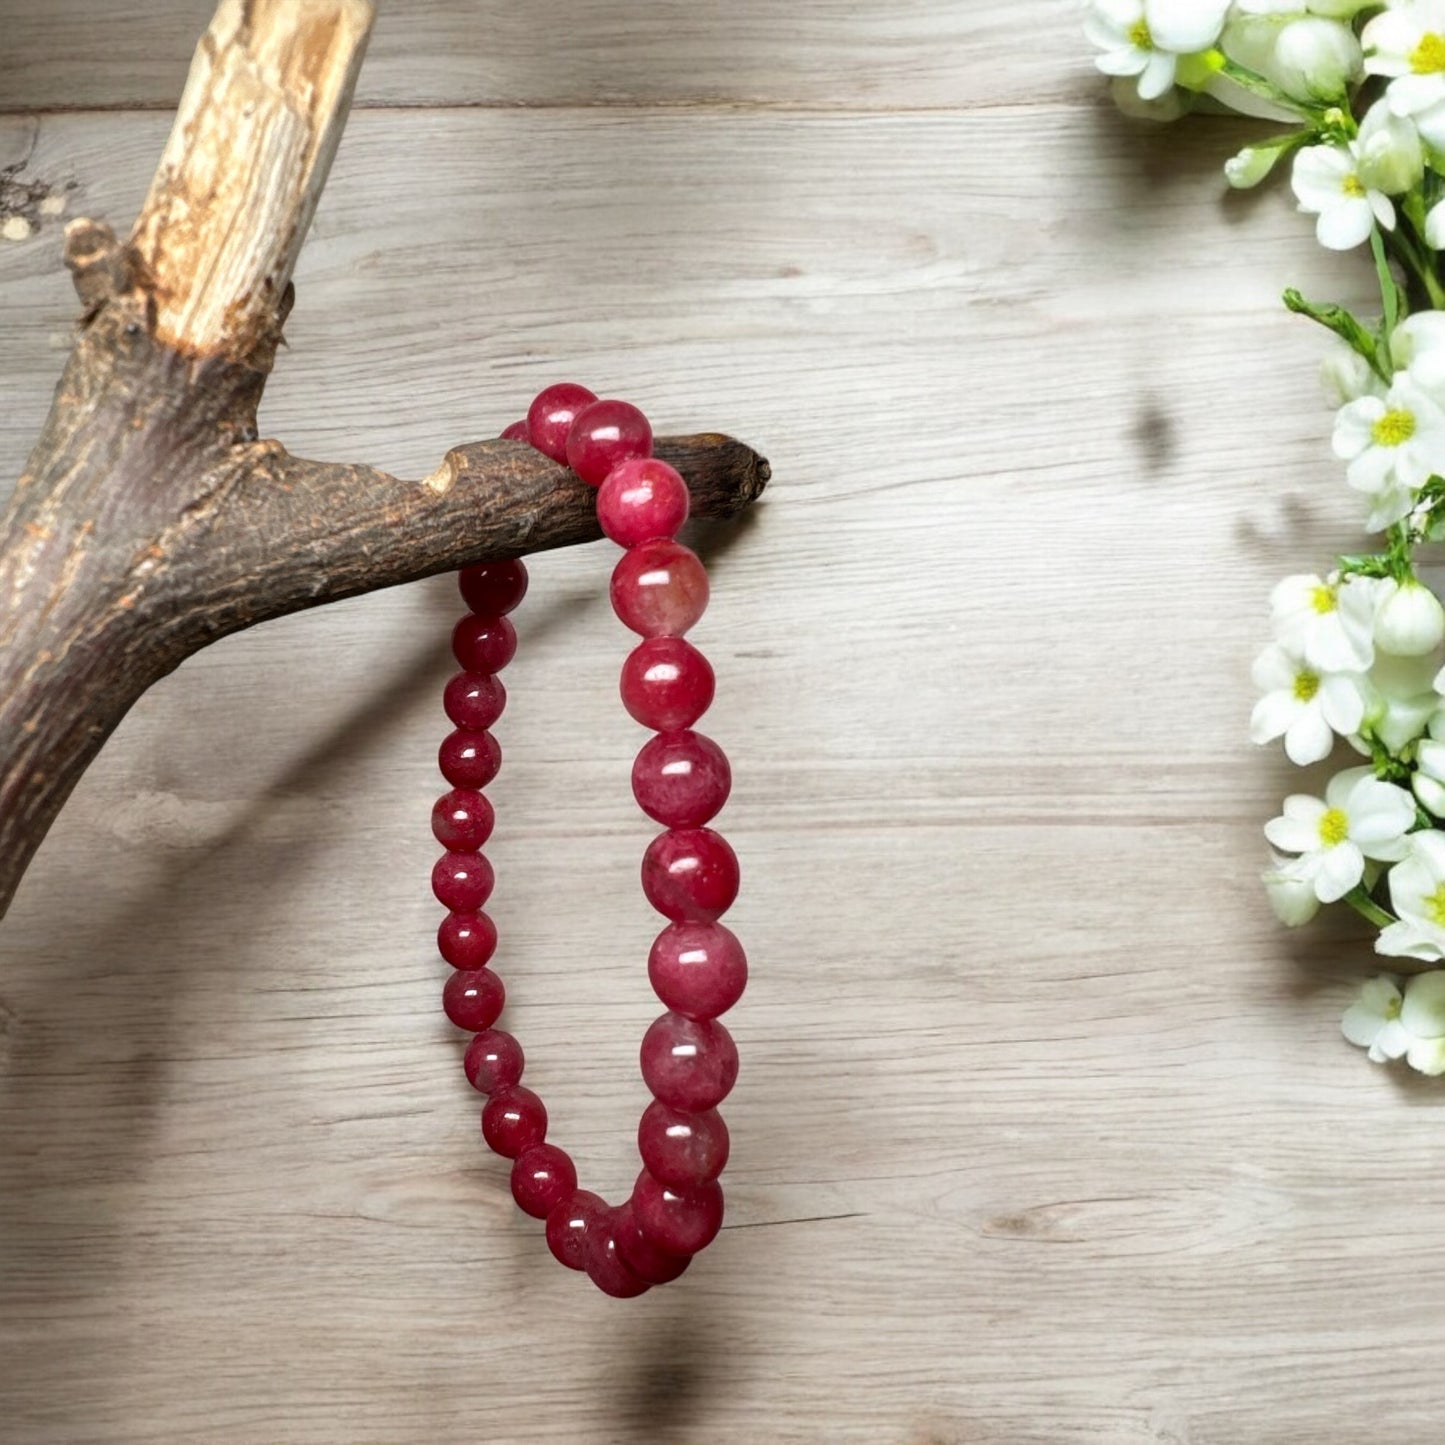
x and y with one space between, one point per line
604 1263
468 759
569 1224
642 500
659 589
493 588
551 415
542 1178
697 969
682 1149
680 779
603 434
474 700
689 1064
690 874
681 1221
462 820
641 1255
666 683
517 432
473 999
513 1120
462 881
467 940
493 1061
484 644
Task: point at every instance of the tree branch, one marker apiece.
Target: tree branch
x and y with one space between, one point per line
150 520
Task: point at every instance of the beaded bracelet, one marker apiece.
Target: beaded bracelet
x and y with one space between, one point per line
689 873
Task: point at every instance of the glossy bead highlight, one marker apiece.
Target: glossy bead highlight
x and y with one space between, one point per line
659 589
473 999
690 874
697 969
689 1064
542 1177
550 417
641 501
681 779
681 1221
474 700
645 1259
462 820
462 882
469 759
603 434
667 683
680 1148
569 1224
513 1120
484 644
467 940
493 1060
492 589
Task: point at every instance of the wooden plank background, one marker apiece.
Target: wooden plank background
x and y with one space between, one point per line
1045 1131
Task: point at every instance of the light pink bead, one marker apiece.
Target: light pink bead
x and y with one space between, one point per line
642 500
659 589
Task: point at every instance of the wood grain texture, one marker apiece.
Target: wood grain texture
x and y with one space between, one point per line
1045 1132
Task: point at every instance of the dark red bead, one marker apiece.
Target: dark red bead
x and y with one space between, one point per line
666 683
517 432
689 1064
690 874
542 1178
467 940
474 700
551 415
697 969
681 779
603 434
659 589
681 1221
680 1148
641 1255
484 644
473 999
462 820
569 1224
513 1120
462 881
642 500
604 1263
492 589
493 1061
470 759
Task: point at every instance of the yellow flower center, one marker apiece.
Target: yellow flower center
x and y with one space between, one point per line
1139 35
1434 907
1428 57
1352 186
1334 828
1306 685
1393 429
1323 599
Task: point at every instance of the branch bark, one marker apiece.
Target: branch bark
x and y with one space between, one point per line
150 518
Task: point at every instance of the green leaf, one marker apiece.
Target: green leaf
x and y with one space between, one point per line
1344 324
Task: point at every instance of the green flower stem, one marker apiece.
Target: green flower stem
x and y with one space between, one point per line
1366 907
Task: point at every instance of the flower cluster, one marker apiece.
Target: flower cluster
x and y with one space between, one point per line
1358 656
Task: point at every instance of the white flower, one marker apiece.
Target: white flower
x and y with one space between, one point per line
1346 376
1326 181
1410 621
1394 444
1407 44
1304 707
1373 1021
1293 899
1327 623
1417 895
1435 226
1400 698
1391 156
1305 57
1360 816
1419 335
1145 38
1428 780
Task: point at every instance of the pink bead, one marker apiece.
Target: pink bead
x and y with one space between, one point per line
666 683
469 759
462 881
493 1061
682 1149
517 432
473 999
467 940
462 820
569 1224
474 700
681 1221
641 1255
542 1178
513 1120
642 500
484 644
604 1263
659 589
551 415
604 434
690 874
680 779
493 588
689 1064
697 969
